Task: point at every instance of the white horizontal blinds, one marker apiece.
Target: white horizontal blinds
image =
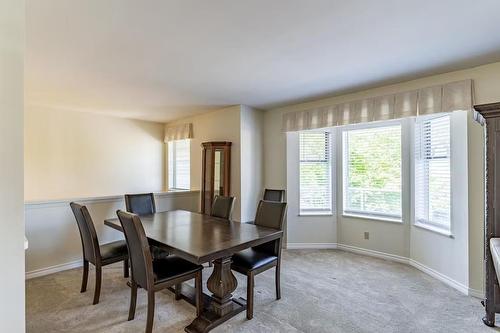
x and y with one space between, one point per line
179 164
372 171
433 172
315 172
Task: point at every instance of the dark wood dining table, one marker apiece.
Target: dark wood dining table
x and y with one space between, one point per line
200 239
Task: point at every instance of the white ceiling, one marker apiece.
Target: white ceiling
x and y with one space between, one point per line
161 60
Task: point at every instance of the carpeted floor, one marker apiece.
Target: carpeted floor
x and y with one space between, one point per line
322 291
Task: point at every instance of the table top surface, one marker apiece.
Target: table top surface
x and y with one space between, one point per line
200 238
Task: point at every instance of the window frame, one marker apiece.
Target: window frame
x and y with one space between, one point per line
172 149
404 128
332 160
434 227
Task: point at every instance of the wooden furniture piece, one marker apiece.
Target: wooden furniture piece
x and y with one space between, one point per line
216 172
98 255
140 204
223 207
274 195
200 238
489 116
258 259
155 275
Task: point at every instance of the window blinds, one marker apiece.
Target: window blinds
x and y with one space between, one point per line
315 172
179 164
433 172
372 171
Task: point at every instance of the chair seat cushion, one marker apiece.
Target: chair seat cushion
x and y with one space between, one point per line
115 251
171 267
251 259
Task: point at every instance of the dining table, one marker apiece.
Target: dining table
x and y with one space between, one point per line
200 238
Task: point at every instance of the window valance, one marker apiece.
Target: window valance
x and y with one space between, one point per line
453 96
179 132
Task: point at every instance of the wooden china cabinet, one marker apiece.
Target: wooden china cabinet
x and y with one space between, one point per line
216 172
488 115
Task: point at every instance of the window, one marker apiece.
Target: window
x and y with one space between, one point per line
433 172
372 171
179 164
315 173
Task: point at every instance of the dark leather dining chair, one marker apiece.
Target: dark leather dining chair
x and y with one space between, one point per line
98 255
154 275
223 207
274 195
260 258
144 204
140 204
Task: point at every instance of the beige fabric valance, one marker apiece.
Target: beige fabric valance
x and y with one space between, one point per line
179 132
448 97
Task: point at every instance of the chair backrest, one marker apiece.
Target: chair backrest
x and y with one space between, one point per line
223 207
270 214
88 234
140 204
141 261
274 195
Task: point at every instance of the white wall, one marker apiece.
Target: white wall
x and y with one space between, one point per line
11 170
394 239
252 174
74 154
219 125
53 233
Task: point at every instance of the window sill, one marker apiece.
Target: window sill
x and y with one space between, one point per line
314 214
434 229
373 218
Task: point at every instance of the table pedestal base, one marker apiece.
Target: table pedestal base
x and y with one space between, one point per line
218 307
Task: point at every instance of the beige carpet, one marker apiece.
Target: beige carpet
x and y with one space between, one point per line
322 291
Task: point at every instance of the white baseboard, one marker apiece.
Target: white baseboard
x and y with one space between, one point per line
311 246
373 253
441 277
53 269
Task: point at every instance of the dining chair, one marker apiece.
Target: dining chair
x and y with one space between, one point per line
260 258
155 275
98 255
140 204
223 207
144 204
274 195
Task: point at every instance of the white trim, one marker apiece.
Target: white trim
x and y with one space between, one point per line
441 277
93 200
53 269
373 253
311 246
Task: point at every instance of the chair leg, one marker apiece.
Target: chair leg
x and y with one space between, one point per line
151 311
85 276
250 285
98 278
125 268
278 284
199 293
178 288
133 300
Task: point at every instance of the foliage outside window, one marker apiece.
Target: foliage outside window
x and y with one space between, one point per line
372 171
